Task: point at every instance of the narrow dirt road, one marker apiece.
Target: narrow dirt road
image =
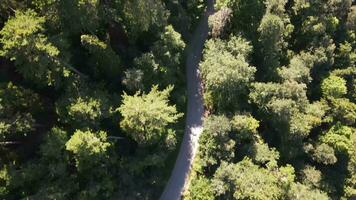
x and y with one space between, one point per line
195 111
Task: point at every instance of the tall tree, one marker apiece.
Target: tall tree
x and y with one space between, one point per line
35 57
274 30
88 148
226 73
215 144
246 180
147 117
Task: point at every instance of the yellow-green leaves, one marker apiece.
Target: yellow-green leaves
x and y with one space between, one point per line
146 117
333 87
35 57
88 147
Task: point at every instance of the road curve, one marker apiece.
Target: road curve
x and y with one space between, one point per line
194 114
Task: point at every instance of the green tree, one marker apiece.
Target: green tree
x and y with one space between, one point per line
311 177
200 189
71 17
146 117
83 105
245 126
246 180
52 149
262 154
54 160
324 154
316 23
215 144
226 72
346 55
17 108
274 30
7 7
5 179
343 110
351 18
36 58
293 115
146 72
299 191
90 151
271 32
333 87
349 187
162 65
298 69
133 79
89 148
140 16
319 18
45 177
338 136
219 22
102 58
246 14
168 51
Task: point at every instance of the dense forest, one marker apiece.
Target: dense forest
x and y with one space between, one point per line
93 96
279 91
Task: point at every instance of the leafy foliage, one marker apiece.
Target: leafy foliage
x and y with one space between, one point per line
200 190
225 72
215 143
245 126
234 181
301 192
88 148
36 58
219 22
17 107
278 82
82 105
339 137
324 154
334 86
146 117
103 59
140 16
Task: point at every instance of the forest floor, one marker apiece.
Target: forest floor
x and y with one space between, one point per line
195 111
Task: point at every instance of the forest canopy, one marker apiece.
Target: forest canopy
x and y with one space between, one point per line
93 99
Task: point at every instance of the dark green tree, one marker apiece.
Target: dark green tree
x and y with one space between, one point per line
17 108
215 144
103 59
83 105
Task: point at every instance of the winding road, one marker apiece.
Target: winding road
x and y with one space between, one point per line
195 111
